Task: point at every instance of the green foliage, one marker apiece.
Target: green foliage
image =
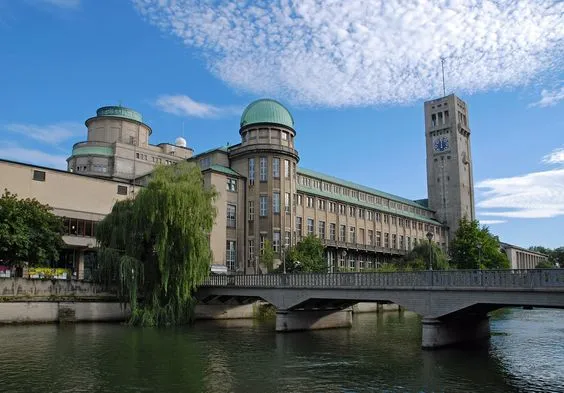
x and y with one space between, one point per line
418 258
29 231
156 246
308 255
474 247
545 265
267 256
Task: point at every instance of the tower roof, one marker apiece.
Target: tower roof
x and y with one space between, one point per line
120 111
267 111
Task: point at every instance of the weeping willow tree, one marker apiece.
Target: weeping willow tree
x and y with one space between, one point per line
156 246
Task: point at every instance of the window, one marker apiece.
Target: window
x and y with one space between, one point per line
361 238
287 169
433 120
122 190
408 243
378 239
370 237
287 203
440 118
276 168
321 229
394 240
401 245
251 171
370 215
284 136
262 242
204 162
299 199
263 168
231 184
78 227
332 230
352 263
251 251
299 226
310 226
276 202
263 206
332 207
360 213
321 204
231 255
286 239
276 241
309 201
386 217
352 235
231 216
394 220
342 233
40 176
342 209
386 240
251 210
352 211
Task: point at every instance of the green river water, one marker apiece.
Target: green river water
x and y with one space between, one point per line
380 353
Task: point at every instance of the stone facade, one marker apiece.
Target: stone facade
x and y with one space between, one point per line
263 193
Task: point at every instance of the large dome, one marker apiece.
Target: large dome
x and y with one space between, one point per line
266 111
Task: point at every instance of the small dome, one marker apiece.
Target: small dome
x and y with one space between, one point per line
267 111
180 142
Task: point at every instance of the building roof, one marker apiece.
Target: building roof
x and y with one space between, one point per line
120 111
266 111
507 245
222 169
369 190
422 202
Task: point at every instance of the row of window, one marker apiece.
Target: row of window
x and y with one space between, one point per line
361 196
265 133
95 168
263 169
78 227
365 237
156 160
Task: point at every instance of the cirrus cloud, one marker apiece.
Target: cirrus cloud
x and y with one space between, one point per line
350 53
182 105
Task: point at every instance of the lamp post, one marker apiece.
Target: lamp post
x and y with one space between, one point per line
479 256
282 252
345 257
430 237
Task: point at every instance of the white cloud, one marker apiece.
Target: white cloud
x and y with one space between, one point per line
343 52
62 3
550 97
182 105
534 195
32 156
491 222
556 157
52 133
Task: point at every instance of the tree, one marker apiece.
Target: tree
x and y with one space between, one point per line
29 231
555 256
545 265
307 256
474 247
267 256
156 246
418 258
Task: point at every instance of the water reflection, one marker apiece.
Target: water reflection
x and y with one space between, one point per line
379 353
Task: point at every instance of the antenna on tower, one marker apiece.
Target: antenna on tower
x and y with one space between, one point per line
443 71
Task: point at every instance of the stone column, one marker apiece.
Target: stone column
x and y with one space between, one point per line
290 320
440 333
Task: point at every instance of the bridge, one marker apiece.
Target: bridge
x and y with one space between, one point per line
453 304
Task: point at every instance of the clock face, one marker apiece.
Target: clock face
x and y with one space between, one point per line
440 143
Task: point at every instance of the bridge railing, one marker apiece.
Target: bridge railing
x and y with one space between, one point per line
511 279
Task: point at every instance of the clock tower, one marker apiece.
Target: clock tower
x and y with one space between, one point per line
450 184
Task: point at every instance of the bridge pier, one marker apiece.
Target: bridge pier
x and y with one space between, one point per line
295 320
439 333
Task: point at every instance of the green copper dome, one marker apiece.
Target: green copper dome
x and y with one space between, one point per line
267 111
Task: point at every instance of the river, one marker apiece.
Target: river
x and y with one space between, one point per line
380 353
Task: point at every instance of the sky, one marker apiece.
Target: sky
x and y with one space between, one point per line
354 75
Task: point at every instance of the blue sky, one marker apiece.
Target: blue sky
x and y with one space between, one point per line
353 74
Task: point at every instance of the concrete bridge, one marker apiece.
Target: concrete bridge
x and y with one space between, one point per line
454 304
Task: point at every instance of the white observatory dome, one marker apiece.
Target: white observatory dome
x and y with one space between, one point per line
180 142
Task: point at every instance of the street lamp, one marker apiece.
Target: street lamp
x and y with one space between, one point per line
345 257
430 237
479 256
282 251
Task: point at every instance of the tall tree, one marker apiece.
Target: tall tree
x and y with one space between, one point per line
29 231
308 255
475 247
157 245
418 258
